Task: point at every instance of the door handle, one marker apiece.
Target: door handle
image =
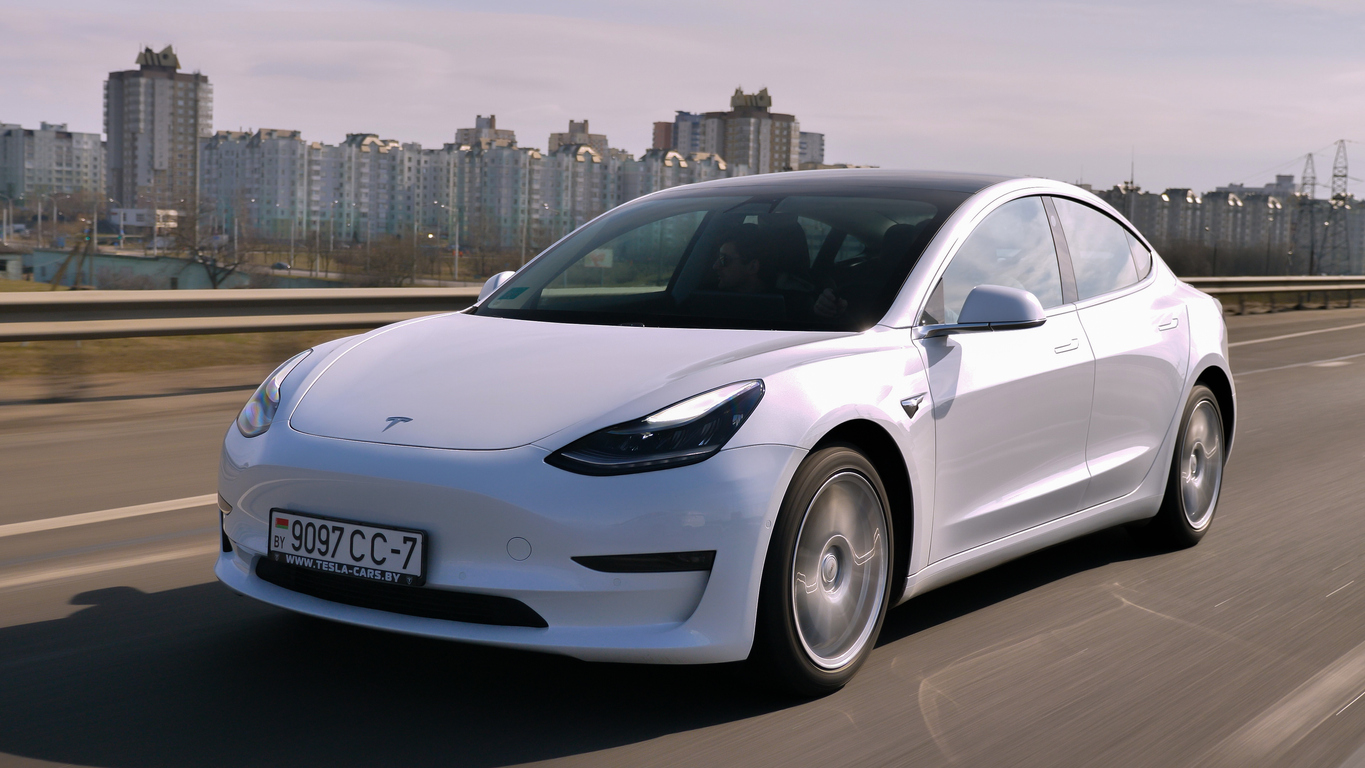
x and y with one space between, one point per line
1169 324
1067 347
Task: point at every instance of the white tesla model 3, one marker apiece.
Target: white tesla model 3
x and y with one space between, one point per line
739 418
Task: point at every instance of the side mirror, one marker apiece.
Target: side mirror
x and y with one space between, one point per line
495 282
992 308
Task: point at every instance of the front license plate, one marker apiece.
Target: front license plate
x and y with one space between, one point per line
371 552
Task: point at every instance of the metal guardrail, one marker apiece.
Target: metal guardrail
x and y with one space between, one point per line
1277 285
122 314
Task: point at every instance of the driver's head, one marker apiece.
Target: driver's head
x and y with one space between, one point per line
739 264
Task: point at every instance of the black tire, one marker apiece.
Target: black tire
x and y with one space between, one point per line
849 541
1195 479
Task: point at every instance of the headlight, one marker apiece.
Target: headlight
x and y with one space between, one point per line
259 411
681 434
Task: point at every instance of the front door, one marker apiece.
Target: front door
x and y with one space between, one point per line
1011 409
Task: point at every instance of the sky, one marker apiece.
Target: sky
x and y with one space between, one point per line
1185 93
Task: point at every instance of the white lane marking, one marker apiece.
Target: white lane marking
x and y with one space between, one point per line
1296 335
71 571
1338 589
1349 703
1332 364
1275 731
86 518
1317 363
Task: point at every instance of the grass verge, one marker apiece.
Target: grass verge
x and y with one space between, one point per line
165 353
25 286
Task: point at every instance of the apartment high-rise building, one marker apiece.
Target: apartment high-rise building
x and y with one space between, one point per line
49 160
485 129
255 180
576 186
754 137
486 195
1284 187
663 136
666 168
689 134
275 184
812 148
226 176
577 134
155 117
750 137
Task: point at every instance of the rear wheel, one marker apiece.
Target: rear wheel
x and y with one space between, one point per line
827 576
1196 476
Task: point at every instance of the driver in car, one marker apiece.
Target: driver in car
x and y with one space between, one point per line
741 266
828 305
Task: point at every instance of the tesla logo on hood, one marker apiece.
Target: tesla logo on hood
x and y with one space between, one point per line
394 420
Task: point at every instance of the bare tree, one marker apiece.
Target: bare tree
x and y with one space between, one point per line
487 253
1196 259
390 262
216 252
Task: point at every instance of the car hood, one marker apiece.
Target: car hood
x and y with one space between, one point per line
479 383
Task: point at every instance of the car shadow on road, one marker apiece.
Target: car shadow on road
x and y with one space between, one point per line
1014 578
201 676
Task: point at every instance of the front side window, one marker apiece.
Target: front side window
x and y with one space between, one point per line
1101 254
640 260
698 260
1012 247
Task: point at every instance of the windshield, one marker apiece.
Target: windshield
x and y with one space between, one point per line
791 262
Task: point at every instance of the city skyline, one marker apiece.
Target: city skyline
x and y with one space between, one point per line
1192 97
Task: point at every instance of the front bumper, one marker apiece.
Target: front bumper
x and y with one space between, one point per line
473 503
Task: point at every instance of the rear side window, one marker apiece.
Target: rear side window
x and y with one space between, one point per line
851 248
1012 247
1101 254
817 232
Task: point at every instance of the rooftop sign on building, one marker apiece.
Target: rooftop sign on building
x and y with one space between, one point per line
760 100
164 60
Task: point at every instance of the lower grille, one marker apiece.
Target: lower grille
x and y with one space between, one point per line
409 601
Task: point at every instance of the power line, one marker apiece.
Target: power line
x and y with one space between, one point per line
1295 159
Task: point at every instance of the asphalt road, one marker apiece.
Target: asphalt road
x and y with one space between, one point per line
117 647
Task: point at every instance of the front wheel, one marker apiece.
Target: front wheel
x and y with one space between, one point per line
827 575
1196 476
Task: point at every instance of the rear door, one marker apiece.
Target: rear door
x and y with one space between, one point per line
1140 337
1011 408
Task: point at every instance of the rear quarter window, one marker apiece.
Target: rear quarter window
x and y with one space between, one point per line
1142 258
1101 253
